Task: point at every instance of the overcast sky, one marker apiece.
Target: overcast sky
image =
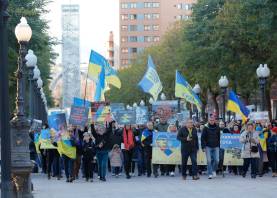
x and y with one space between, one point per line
97 19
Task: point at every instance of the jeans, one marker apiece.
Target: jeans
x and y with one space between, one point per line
273 161
127 161
254 165
102 160
88 167
147 159
68 166
212 155
193 157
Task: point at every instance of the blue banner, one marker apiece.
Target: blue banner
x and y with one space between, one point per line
79 102
228 141
57 121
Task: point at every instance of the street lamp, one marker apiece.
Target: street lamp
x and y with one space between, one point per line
196 89
31 62
21 163
6 182
263 73
223 84
135 105
163 97
142 103
151 101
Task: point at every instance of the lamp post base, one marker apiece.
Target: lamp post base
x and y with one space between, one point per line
20 157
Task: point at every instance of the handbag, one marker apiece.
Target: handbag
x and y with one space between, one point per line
254 149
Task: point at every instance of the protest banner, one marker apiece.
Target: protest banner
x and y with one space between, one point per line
78 116
45 139
142 115
180 117
125 117
79 102
165 109
100 112
258 116
57 121
167 149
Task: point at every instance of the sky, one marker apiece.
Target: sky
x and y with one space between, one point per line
97 19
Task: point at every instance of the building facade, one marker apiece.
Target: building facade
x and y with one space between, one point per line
144 22
71 82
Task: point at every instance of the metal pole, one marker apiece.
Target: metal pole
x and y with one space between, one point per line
6 183
35 99
31 94
223 103
262 88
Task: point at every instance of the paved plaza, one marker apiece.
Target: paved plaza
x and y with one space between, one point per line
162 187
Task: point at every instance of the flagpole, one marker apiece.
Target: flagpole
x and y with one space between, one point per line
85 96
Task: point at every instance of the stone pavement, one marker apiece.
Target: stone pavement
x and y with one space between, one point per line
162 187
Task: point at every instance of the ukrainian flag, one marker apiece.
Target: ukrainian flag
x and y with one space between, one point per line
65 147
184 90
145 134
236 106
150 82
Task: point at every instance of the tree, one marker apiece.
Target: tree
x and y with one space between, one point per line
41 43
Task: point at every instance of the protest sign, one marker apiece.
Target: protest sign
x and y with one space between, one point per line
142 115
165 109
257 116
78 116
57 121
79 102
180 117
125 117
100 112
45 138
232 149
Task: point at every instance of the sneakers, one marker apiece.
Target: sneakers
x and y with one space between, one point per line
195 178
214 174
116 176
128 177
184 177
210 176
274 174
172 174
113 174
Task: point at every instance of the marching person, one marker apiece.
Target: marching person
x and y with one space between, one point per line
250 152
128 147
210 143
116 159
272 147
171 168
89 152
189 147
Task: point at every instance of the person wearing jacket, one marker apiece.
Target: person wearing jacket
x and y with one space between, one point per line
89 151
210 143
102 142
189 147
116 159
272 147
250 153
146 142
171 168
128 148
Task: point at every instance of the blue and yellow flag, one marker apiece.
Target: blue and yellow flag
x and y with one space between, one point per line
150 83
97 62
184 90
146 133
235 105
65 147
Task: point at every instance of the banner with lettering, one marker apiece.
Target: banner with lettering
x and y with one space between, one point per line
142 115
125 117
78 116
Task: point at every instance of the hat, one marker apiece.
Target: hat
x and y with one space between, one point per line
259 128
274 129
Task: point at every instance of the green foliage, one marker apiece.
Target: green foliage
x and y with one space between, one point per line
41 43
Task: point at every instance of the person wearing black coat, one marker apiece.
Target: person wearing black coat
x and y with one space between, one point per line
210 143
189 147
89 152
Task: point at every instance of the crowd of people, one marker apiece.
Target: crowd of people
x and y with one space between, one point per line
122 149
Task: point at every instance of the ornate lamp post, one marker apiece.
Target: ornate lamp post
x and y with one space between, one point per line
142 103
31 62
6 182
39 87
263 73
223 84
36 77
21 163
196 89
135 105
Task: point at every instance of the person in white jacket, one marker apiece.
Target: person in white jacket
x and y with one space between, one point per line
250 153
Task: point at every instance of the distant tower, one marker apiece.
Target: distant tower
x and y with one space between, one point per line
111 49
70 54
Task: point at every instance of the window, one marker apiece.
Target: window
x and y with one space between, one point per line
124 17
124 39
156 38
156 16
147 28
187 6
147 39
133 38
133 5
124 5
134 50
185 17
124 50
147 16
133 16
124 27
147 4
179 6
124 62
156 27
133 27
156 5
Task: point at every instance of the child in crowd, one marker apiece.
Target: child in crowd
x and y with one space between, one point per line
116 156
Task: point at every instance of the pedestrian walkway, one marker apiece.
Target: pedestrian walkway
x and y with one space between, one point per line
162 187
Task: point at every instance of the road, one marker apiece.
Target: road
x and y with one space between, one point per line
162 187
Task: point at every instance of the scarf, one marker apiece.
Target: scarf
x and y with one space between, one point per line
128 139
